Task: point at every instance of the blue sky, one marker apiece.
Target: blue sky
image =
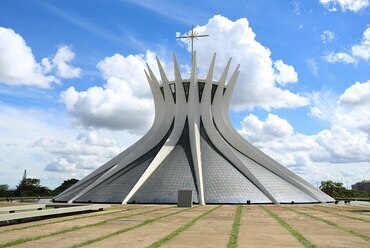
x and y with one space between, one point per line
66 64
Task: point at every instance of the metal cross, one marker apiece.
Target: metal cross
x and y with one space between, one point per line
192 36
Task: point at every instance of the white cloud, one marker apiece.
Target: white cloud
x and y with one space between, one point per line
352 112
61 59
42 143
316 112
309 155
19 67
362 50
20 127
351 5
17 63
60 63
285 73
297 7
88 151
323 104
312 65
345 146
123 103
327 36
256 84
339 57
358 93
328 154
272 127
358 51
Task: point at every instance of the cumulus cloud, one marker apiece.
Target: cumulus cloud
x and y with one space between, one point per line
345 146
316 112
123 103
17 62
21 127
257 84
277 137
61 62
306 154
357 52
323 104
340 57
356 94
327 36
346 141
19 67
351 5
88 151
352 112
41 142
362 50
285 73
272 127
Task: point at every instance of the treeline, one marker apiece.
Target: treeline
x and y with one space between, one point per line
338 191
31 187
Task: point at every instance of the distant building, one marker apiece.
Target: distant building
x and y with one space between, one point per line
362 186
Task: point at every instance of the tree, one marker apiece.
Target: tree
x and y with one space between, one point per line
4 188
31 187
334 189
337 190
65 185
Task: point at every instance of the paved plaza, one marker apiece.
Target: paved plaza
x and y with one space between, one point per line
320 225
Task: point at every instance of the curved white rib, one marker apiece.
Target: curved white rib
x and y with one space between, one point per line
236 141
159 106
159 129
180 118
194 129
217 140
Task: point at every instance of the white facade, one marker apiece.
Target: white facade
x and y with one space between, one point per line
192 145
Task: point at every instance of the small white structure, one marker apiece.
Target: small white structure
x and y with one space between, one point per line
192 145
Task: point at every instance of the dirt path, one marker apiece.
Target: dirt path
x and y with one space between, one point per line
211 231
258 229
320 234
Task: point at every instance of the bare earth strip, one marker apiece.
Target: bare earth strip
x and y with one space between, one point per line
211 231
355 210
50 228
58 227
258 229
112 225
319 233
145 235
351 207
355 225
345 214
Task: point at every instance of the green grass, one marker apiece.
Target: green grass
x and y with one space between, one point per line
145 222
170 236
67 230
64 220
235 229
350 231
301 239
341 215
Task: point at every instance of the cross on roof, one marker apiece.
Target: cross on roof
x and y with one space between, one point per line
192 36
